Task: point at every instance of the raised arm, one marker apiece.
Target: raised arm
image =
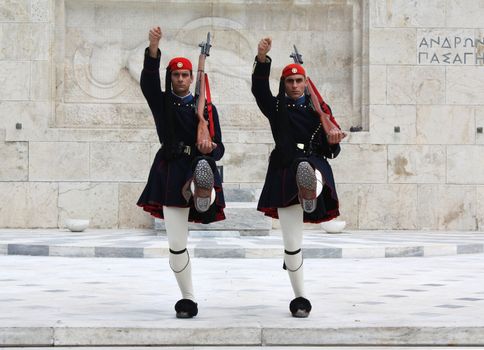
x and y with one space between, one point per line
260 79
150 75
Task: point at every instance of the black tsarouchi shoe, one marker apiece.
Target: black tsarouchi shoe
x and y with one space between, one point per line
300 307
186 308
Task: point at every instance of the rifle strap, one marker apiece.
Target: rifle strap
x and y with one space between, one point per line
323 104
209 107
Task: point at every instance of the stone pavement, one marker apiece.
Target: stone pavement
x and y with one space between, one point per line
250 348
228 244
69 301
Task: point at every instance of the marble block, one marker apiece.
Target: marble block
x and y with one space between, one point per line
471 11
416 164
403 13
348 195
480 208
108 161
15 11
28 204
40 82
15 80
130 215
465 164
27 336
97 202
378 84
385 206
447 207
15 41
384 119
392 46
360 164
40 10
15 161
443 124
61 161
412 85
245 161
465 85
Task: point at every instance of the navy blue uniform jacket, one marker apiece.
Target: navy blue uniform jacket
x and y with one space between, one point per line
280 188
168 181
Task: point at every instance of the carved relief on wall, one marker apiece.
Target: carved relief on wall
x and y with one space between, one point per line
100 47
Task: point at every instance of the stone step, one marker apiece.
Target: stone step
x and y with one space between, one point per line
230 244
192 333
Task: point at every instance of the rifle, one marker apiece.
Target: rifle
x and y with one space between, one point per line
327 121
201 89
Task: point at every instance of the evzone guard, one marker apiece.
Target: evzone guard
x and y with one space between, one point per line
299 185
183 184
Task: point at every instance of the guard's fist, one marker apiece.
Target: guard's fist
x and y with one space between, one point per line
263 48
335 136
155 36
206 146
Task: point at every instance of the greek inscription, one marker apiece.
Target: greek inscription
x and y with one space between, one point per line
424 43
469 39
420 54
446 44
447 57
449 50
480 59
432 41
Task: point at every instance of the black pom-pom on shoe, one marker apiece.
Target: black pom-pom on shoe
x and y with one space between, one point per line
186 308
300 307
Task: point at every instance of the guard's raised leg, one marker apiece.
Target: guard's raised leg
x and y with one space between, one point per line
307 185
203 181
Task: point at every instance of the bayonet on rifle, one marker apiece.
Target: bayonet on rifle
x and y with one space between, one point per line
204 52
205 45
296 56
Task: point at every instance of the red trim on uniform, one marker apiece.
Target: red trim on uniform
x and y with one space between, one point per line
272 212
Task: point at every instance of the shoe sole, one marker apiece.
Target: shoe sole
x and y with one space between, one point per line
301 314
307 184
203 182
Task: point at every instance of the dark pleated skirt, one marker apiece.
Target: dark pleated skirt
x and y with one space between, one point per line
167 182
280 191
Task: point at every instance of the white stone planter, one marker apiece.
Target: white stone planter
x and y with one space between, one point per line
77 225
333 226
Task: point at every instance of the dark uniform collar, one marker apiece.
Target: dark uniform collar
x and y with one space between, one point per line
183 100
298 101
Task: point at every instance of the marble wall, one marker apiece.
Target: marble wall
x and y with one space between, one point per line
77 138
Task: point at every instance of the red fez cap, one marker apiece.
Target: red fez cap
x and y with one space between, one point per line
178 63
291 69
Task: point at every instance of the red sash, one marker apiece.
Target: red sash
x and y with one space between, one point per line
323 104
209 108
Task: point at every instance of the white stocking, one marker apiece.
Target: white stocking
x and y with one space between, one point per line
176 223
291 219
